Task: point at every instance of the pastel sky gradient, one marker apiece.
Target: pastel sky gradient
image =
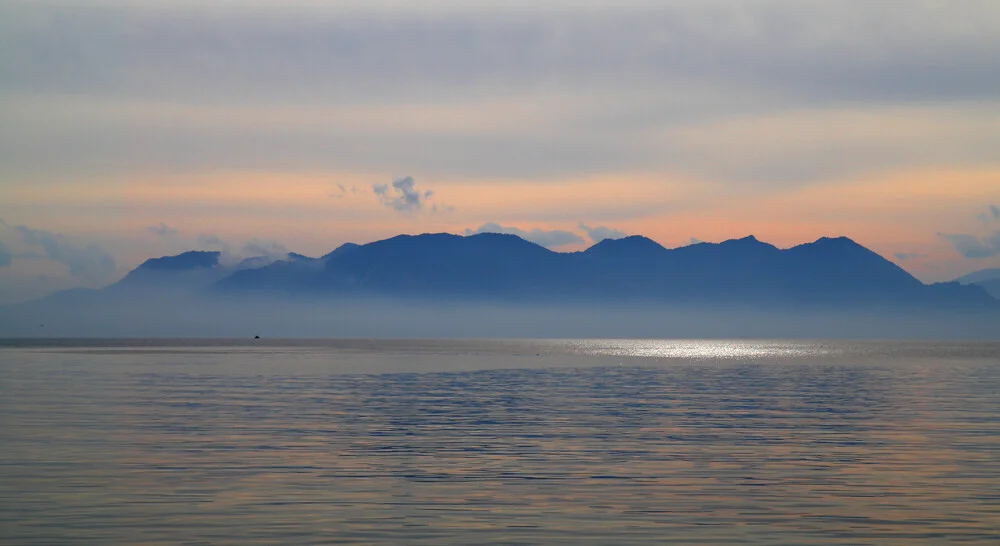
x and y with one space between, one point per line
133 129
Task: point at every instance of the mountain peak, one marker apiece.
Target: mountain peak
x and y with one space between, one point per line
194 259
340 250
431 237
832 244
837 241
748 244
296 257
749 240
633 246
634 239
491 235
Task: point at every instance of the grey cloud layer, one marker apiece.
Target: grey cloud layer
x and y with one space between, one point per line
887 49
612 88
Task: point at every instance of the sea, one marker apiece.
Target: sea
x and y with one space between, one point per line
600 441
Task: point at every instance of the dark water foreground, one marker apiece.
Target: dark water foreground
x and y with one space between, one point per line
461 442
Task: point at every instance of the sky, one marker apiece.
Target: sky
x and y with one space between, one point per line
136 129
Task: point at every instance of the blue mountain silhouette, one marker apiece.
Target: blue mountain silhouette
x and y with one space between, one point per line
988 279
499 267
492 283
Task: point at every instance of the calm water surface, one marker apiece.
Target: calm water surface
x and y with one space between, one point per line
516 442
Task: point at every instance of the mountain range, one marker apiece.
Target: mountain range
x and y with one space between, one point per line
499 267
495 285
490 267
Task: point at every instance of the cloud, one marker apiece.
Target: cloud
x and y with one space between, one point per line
820 47
271 249
546 238
234 253
404 195
909 256
972 246
163 230
600 233
210 240
991 215
537 92
342 191
90 261
6 256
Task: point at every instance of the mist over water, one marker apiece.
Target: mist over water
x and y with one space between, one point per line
182 316
514 441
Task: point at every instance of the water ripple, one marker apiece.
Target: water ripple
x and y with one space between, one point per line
515 442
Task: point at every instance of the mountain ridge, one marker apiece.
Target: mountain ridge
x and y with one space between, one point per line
988 279
488 266
828 272
490 285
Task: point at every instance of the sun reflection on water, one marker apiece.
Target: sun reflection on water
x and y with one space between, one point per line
698 349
